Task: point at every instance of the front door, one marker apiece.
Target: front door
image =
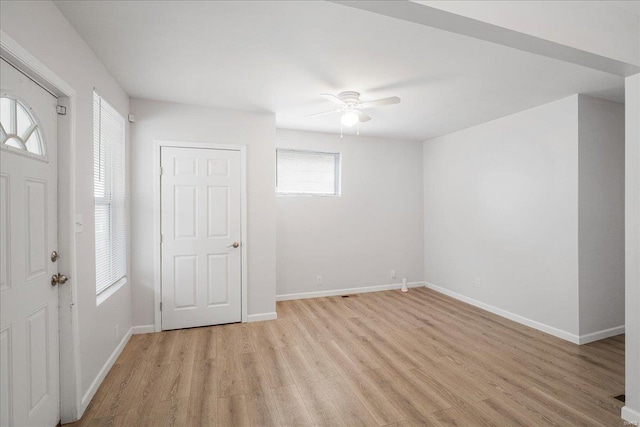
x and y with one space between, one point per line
29 382
201 237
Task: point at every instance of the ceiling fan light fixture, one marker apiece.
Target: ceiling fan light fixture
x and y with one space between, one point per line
351 107
349 118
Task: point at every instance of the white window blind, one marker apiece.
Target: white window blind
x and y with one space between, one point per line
307 173
109 193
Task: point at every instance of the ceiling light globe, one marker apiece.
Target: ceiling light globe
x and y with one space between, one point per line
349 118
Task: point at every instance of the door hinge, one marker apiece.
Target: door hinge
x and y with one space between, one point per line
160 305
62 111
161 170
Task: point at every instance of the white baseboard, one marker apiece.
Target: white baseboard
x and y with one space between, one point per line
262 316
507 314
576 339
600 335
630 416
86 399
337 292
143 329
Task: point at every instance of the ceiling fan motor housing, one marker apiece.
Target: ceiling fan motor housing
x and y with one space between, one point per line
350 97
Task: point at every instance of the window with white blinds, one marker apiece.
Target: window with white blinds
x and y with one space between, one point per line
309 173
109 193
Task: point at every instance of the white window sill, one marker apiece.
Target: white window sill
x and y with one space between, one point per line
105 294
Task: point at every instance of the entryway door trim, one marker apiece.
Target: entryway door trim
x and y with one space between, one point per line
157 255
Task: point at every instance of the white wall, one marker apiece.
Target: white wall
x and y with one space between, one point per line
601 214
631 411
178 122
501 206
525 214
356 239
41 29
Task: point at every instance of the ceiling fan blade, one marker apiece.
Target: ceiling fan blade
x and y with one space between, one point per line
337 110
362 116
333 98
380 102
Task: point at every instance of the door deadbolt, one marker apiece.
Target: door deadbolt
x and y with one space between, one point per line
58 279
54 256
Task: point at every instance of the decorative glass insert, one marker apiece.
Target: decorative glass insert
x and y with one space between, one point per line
18 128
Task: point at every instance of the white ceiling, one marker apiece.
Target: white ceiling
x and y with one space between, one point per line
279 56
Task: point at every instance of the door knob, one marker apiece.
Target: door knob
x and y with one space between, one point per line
235 245
58 279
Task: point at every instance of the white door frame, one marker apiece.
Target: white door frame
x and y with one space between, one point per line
157 258
70 380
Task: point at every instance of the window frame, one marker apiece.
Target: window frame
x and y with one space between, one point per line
110 201
337 173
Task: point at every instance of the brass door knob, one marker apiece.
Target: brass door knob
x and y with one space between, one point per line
58 279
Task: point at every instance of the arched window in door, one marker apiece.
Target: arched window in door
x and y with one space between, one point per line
19 129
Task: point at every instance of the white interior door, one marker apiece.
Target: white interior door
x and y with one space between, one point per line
201 235
29 382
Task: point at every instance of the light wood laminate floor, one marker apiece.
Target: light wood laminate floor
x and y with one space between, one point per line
374 359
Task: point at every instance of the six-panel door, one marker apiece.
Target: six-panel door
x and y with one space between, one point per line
200 223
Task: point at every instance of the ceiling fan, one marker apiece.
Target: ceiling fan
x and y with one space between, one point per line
351 107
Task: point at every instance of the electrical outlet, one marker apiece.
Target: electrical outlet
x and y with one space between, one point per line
319 280
393 274
478 283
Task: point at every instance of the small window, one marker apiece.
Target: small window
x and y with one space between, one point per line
19 130
309 173
109 194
